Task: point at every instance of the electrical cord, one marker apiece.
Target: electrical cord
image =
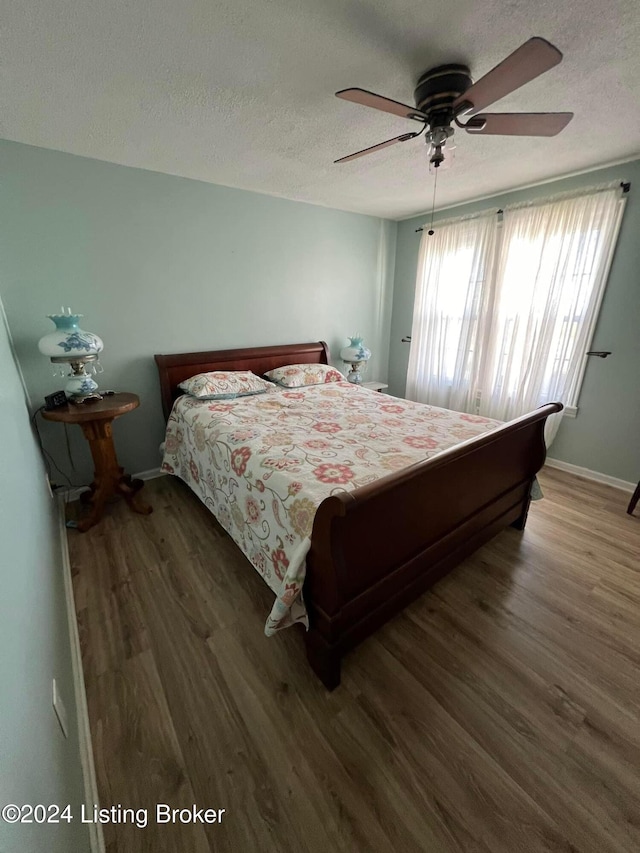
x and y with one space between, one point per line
69 456
49 461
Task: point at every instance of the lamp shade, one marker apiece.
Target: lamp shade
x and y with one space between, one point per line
68 339
356 351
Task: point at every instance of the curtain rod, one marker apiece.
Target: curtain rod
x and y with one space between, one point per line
624 185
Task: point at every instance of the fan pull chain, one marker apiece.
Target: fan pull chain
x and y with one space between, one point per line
431 232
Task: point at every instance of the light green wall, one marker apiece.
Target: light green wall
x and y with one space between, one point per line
604 435
37 764
164 264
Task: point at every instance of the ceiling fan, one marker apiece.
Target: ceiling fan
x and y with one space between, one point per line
446 94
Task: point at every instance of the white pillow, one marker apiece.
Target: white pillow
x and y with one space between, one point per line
224 385
299 375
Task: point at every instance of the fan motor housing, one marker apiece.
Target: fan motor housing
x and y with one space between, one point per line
438 88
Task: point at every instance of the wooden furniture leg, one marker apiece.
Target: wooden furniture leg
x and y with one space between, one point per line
129 489
635 497
109 477
521 522
324 660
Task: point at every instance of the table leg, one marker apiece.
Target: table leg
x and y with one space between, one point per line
87 496
109 477
129 489
95 501
634 500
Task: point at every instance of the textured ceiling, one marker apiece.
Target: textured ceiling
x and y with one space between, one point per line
240 92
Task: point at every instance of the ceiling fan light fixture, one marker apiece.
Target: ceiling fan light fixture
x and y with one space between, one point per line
440 147
447 92
440 157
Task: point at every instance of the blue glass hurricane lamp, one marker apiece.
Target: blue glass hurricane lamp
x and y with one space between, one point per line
71 345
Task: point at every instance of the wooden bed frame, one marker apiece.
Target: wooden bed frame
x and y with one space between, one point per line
378 547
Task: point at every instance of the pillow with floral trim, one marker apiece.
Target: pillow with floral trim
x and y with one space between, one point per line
299 375
225 385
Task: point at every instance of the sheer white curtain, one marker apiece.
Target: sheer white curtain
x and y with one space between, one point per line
453 294
504 313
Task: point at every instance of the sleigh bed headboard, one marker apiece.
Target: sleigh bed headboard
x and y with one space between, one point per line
177 367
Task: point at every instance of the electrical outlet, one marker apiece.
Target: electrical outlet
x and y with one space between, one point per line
61 711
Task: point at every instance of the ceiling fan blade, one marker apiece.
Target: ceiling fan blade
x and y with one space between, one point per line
531 59
370 99
518 124
403 138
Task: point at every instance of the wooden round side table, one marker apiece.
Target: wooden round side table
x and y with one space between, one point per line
109 478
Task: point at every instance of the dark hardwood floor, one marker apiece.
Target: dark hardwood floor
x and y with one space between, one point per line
497 713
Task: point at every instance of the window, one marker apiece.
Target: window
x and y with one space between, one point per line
505 311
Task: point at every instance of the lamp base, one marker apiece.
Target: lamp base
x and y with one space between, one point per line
354 374
84 398
80 385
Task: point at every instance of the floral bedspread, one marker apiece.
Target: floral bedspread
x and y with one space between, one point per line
263 464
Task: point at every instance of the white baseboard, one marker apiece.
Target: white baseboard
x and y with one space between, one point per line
588 474
84 732
151 474
70 495
96 837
